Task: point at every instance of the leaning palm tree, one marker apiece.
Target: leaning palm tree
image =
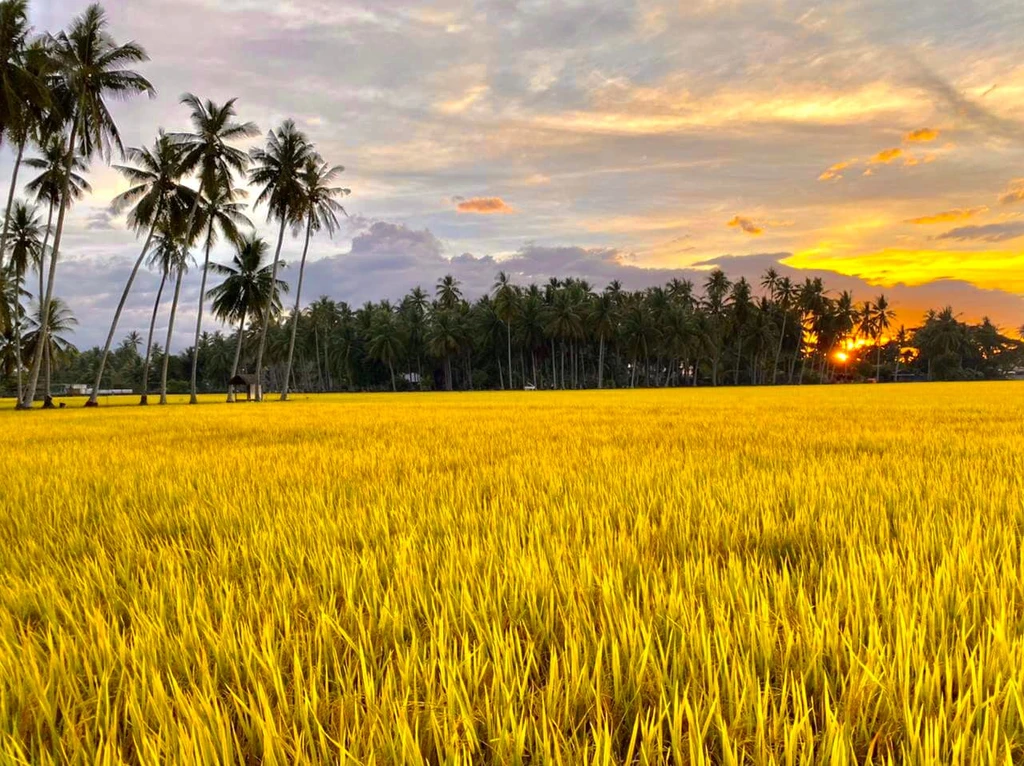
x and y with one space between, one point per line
162 257
155 184
179 262
49 186
24 249
278 170
246 291
320 207
91 67
222 216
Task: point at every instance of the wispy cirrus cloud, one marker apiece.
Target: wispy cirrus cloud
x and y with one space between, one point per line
948 216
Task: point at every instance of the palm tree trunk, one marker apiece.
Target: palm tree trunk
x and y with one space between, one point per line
533 361
144 399
448 372
554 366
44 318
92 402
17 341
600 365
170 332
238 356
501 377
391 369
508 333
266 313
739 360
10 203
47 366
295 316
778 351
193 392
878 358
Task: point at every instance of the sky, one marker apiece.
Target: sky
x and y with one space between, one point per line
878 145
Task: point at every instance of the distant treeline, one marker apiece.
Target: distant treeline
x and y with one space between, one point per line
566 335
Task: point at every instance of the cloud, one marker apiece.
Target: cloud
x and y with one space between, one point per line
836 171
994 232
947 216
921 135
101 219
1014 192
886 156
739 222
484 206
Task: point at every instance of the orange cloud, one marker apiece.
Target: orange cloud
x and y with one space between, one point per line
1014 192
957 214
836 171
922 135
484 206
739 222
886 156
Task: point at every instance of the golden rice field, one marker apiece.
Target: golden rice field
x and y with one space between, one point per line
789 576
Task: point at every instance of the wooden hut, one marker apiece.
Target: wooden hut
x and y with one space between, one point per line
248 383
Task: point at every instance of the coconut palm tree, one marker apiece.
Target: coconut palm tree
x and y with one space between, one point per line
59 325
49 185
25 69
277 169
207 152
91 67
602 318
386 341
221 216
506 299
180 260
246 291
162 257
882 317
24 249
155 180
318 204
20 86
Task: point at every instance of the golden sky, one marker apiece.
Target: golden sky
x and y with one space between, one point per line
878 144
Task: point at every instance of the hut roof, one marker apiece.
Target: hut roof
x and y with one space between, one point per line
243 380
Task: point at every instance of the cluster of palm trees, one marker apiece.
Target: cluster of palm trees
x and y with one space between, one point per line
53 97
565 334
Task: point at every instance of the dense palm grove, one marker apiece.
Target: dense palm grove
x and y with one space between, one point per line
184 197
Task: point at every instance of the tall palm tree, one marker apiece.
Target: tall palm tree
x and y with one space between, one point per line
449 292
882 319
207 152
162 257
180 260
246 291
24 247
506 299
602 320
221 216
387 343
91 67
277 168
48 187
155 180
318 204
24 70
19 85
